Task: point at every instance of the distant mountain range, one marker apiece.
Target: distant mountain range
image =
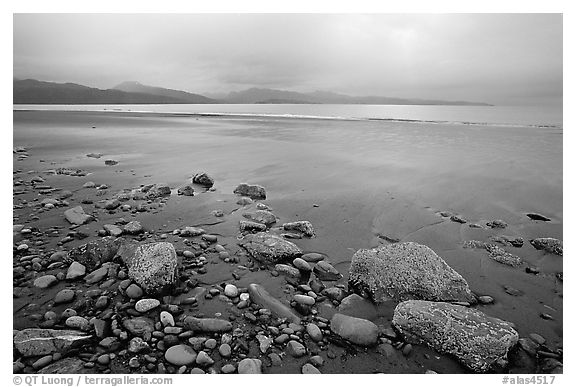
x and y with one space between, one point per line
30 91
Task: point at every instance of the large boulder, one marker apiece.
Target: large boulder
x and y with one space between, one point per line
477 340
253 191
268 248
404 271
356 330
158 191
76 215
550 245
152 266
260 296
40 342
96 252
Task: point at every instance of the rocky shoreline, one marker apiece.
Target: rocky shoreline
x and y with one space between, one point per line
129 298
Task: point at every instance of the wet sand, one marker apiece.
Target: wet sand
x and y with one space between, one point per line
359 183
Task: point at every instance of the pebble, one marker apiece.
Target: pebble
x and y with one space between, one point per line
250 366
210 343
486 299
225 350
407 349
203 359
231 291
103 359
310 369
45 281
42 362
137 345
179 355
77 322
314 332
305 300
167 319
537 338
295 348
134 291
302 265
146 305
228 369
75 270
195 371
63 296
317 361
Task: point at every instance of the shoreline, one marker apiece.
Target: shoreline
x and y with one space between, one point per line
359 186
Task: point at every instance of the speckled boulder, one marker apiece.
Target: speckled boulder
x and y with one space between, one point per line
303 226
152 266
253 191
551 245
96 252
404 271
475 339
268 248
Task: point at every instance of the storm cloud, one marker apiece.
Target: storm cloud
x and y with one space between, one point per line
496 58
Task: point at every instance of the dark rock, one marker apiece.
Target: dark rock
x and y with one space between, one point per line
403 271
203 179
497 224
253 191
457 219
326 272
187 190
550 245
477 340
139 326
268 248
535 216
110 162
96 252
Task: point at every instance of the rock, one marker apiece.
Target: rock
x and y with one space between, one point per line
158 191
228 368
249 226
231 291
303 226
134 291
513 291
42 362
133 228
146 305
356 306
550 245
408 270
314 332
212 325
63 296
458 219
535 337
295 348
486 300
68 365
260 296
110 162
313 257
288 271
77 322
250 366
191 232
304 300
39 342
76 215
45 281
356 330
264 342
111 204
310 369
113 230
180 355
261 216
477 340
167 319
497 224
326 272
203 359
335 293
253 191
75 270
268 248
139 326
96 252
96 276
187 190
302 265
152 266
535 216
204 179
225 350
137 345
502 256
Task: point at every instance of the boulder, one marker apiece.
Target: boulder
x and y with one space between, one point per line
260 296
187 190
96 252
76 215
261 216
478 341
356 330
158 191
303 226
268 248
403 271
152 266
249 226
40 342
252 191
207 324
204 179
550 245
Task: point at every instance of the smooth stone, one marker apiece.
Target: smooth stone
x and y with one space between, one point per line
302 265
310 369
45 281
76 215
180 355
250 366
326 272
113 230
75 270
133 228
357 306
207 324
313 257
202 359
134 291
314 332
295 348
77 322
356 330
38 342
146 305
304 300
268 248
96 276
261 216
63 296
225 350
167 319
231 291
260 296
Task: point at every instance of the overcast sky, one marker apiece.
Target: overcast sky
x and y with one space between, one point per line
498 58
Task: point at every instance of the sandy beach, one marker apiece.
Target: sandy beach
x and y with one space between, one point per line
361 184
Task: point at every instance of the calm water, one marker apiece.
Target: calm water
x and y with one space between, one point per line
485 115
